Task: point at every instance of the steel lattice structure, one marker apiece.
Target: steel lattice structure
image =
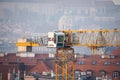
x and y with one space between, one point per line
65 55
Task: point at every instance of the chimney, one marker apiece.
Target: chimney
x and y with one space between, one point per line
9 75
13 70
18 74
24 74
0 76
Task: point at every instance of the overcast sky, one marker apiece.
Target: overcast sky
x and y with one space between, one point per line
18 17
25 16
46 14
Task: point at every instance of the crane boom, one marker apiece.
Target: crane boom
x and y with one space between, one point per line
96 38
27 44
92 38
65 39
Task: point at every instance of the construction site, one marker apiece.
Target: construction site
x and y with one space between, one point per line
60 58
65 64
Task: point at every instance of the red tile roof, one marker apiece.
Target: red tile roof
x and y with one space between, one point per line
116 52
39 68
37 65
38 56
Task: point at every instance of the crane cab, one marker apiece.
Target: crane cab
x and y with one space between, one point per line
56 39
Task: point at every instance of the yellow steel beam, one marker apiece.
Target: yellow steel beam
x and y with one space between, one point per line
93 38
88 38
82 31
27 44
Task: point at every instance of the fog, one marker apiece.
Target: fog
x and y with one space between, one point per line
21 17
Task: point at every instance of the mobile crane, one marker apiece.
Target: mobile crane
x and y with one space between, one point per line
64 40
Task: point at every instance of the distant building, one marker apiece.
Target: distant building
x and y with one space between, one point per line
93 14
42 66
98 67
29 78
66 21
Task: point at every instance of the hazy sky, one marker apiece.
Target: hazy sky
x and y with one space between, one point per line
34 15
30 16
18 17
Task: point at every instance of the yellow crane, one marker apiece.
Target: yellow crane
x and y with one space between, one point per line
64 40
92 38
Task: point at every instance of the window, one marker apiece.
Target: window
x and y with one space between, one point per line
106 63
112 56
1 62
6 59
18 60
81 62
77 73
116 74
12 62
102 73
60 38
89 72
118 63
83 73
94 62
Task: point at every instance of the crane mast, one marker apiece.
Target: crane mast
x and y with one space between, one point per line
64 40
91 38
